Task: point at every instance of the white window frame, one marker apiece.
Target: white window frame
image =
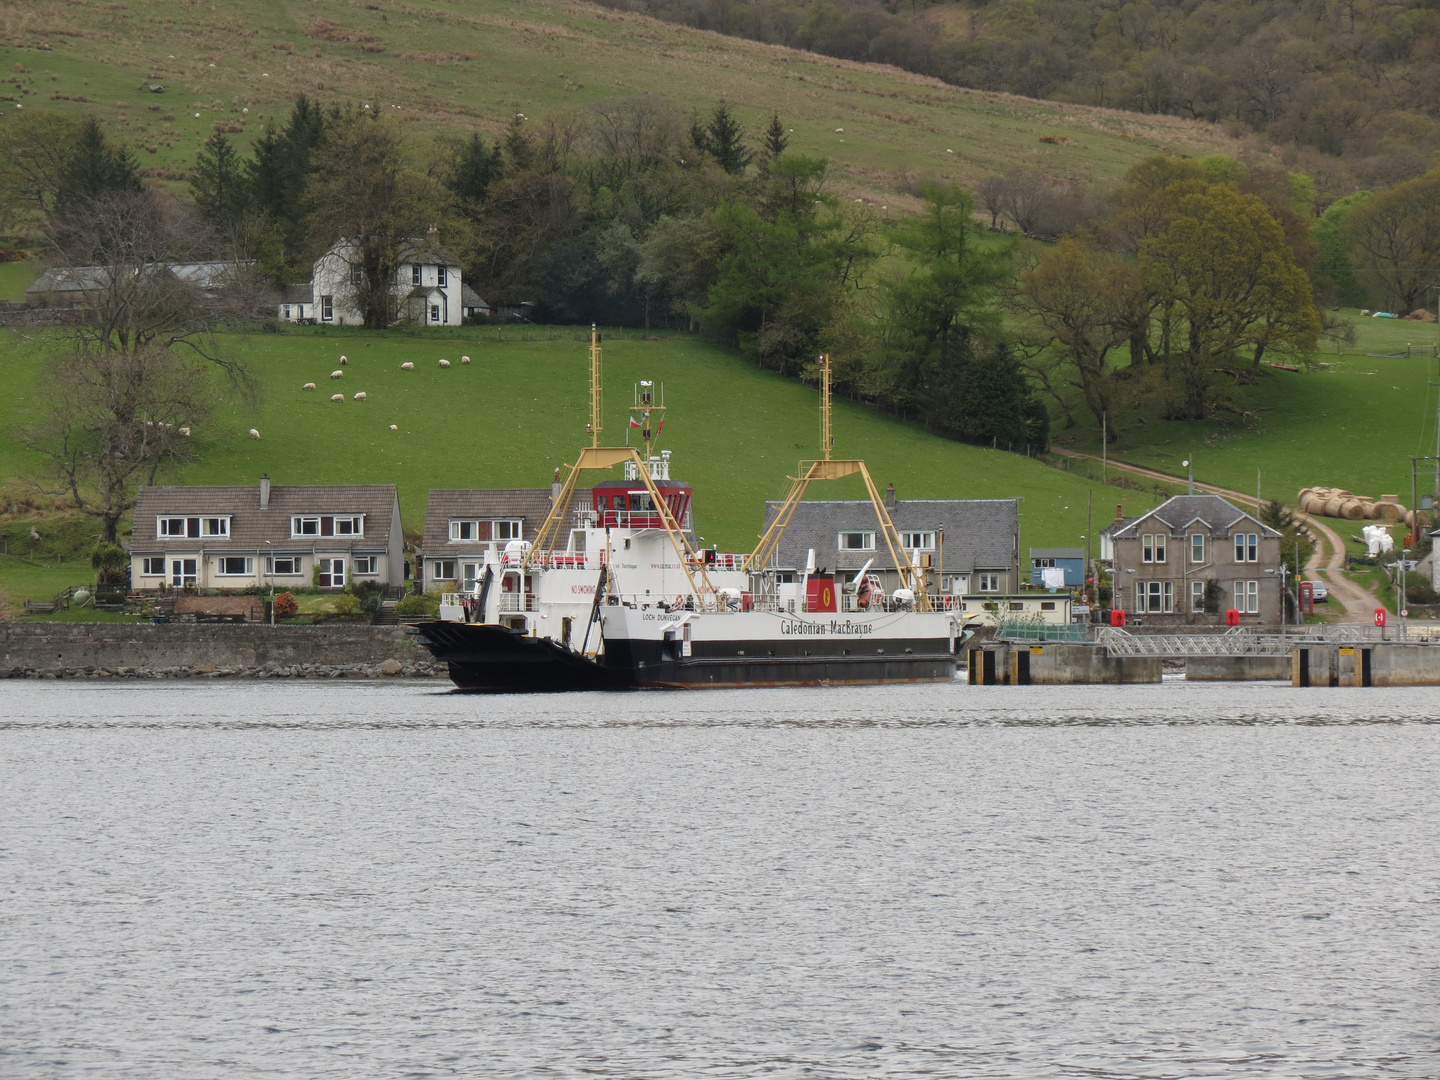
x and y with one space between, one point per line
1245 598
507 529
434 313
415 274
215 526
165 523
442 570
365 565
1043 563
989 581
458 528
247 564
1197 547
1247 547
441 278
327 309
355 525
357 276
867 540
1155 597
184 572
1197 597
470 572
1152 548
918 540
153 567
296 562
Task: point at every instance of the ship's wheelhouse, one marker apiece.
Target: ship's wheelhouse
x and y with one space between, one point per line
627 504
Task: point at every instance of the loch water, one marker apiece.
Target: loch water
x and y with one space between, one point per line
385 879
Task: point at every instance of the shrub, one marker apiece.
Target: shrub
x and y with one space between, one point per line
345 604
419 604
1421 594
370 594
286 606
110 563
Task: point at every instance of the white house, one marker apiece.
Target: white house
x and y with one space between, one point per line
427 290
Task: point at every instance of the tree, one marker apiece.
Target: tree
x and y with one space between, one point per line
35 148
775 138
218 183
1396 241
362 190
1226 282
996 405
474 166
94 168
278 178
1335 274
723 139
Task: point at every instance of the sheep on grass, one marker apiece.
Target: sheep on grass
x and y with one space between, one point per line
254 434
407 366
308 386
444 363
360 396
337 397
337 374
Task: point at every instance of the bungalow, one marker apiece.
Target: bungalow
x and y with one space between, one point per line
971 546
427 289
461 524
258 535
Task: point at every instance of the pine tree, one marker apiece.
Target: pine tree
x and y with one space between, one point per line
476 166
723 139
775 138
218 184
94 168
278 179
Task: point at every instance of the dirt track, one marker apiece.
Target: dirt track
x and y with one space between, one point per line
1329 557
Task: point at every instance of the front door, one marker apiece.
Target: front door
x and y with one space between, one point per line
183 573
332 573
470 574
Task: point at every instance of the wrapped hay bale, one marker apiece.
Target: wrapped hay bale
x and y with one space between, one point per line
1389 512
1352 510
1333 506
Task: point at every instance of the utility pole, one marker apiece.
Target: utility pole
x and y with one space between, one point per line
1105 446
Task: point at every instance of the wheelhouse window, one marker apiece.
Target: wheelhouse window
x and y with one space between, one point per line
857 541
327 525
917 541
1247 547
153 567
1197 547
283 565
235 566
1152 548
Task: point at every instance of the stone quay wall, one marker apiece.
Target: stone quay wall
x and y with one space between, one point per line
52 650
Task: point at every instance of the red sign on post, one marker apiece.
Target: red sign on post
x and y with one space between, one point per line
1379 616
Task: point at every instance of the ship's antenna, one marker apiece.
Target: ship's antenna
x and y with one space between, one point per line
827 441
594 386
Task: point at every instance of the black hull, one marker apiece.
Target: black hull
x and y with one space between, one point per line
493 659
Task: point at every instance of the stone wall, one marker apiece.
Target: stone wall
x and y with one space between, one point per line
53 649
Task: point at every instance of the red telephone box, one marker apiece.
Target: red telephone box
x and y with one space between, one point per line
819 593
1307 598
1232 617
1380 616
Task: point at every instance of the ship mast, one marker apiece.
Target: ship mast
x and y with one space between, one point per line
834 469
595 388
647 412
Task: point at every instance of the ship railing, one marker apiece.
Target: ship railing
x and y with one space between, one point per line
515 601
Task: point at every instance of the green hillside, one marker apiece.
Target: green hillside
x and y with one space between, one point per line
472 64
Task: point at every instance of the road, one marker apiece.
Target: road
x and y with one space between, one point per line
1328 559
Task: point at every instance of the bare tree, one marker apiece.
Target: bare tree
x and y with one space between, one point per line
992 193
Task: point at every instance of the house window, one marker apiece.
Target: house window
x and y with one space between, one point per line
332 574
507 530
153 567
235 566
357 276
1043 564
215 526
434 313
857 541
1017 605
284 565
183 573
1197 547
469 530
443 570
469 574
327 309
440 277
177 526
1047 605
1197 596
287 311
415 274
1155 596
327 525
367 564
989 582
1246 597
1152 548
1247 547
917 541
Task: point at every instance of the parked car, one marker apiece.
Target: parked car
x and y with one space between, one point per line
1320 592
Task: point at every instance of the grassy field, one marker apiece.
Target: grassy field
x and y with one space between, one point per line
519 411
473 64
1355 421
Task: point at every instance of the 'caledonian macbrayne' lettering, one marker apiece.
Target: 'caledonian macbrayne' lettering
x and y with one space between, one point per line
832 627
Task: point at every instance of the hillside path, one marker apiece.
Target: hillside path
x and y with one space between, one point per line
1328 558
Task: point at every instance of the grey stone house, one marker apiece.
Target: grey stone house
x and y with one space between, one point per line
971 546
1167 562
258 535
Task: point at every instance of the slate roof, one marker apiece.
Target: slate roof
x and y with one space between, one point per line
204 275
979 533
250 526
1180 513
530 505
1057 553
420 249
469 298
303 293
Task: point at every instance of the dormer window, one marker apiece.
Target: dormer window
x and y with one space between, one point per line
917 541
175 527
461 531
327 525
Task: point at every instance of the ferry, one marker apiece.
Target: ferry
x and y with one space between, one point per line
615 595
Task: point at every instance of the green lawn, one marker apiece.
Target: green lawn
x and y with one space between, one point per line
519 411
15 278
1354 422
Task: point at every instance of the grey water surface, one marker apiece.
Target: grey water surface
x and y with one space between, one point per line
336 879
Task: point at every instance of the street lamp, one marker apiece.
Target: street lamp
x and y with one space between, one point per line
1189 477
270 572
1282 570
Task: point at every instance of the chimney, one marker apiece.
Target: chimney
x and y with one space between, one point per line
434 233
264 491
889 496
1119 513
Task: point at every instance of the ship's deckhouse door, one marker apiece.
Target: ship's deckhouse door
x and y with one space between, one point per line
685 640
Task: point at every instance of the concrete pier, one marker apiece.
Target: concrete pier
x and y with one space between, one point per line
1056 664
1238 668
1365 664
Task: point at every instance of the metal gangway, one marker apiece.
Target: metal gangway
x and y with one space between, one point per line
1242 641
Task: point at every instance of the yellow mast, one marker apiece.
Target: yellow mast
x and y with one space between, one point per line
828 469
595 387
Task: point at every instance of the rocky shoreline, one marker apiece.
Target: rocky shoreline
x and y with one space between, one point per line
386 669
